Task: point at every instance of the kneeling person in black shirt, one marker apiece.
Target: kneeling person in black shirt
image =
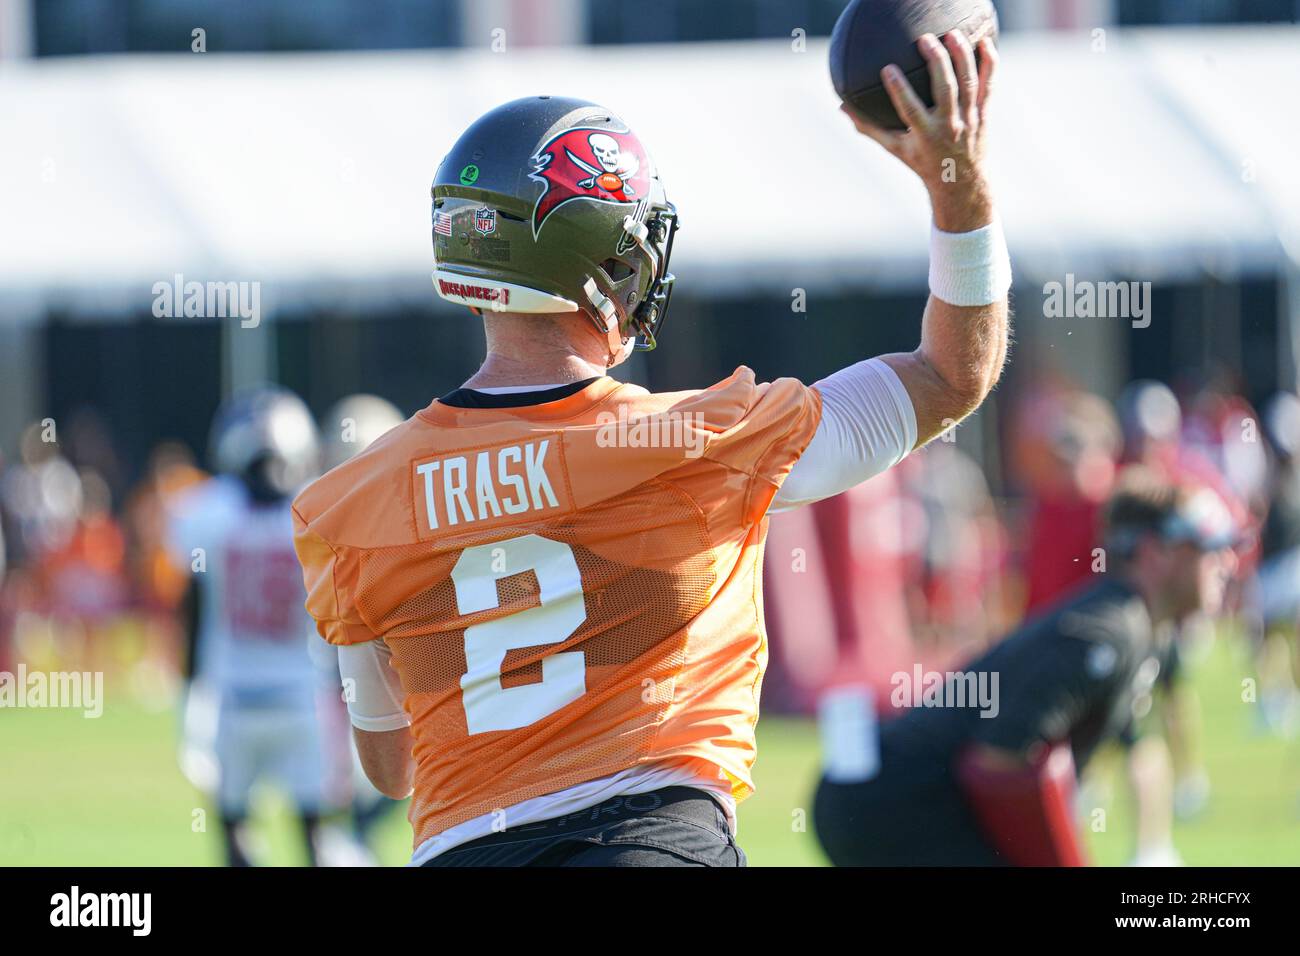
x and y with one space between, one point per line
967 778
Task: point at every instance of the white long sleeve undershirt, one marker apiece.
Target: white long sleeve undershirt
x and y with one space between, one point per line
372 688
868 424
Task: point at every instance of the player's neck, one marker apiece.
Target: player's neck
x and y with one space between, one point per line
543 368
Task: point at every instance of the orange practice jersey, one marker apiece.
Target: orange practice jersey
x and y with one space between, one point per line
569 589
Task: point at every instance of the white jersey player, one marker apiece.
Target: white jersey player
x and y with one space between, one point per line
249 631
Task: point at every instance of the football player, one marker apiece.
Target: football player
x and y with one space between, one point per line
964 779
546 584
246 627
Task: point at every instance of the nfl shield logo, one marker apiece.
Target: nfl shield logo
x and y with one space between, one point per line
485 220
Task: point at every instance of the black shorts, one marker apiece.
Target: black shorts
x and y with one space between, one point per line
675 826
888 821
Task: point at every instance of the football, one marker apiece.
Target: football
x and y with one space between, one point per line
871 34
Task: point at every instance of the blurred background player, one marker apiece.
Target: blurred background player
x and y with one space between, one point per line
1160 745
964 785
252 698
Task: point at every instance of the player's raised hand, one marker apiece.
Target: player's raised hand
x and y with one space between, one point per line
945 145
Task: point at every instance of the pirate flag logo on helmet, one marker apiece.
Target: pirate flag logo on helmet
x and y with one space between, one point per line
586 163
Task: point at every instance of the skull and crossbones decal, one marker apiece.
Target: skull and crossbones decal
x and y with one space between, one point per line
603 165
617 167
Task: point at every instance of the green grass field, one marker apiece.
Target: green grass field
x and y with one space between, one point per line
108 792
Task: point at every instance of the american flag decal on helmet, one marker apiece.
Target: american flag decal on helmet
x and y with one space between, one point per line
442 223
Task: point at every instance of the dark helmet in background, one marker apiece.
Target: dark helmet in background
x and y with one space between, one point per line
267 438
548 204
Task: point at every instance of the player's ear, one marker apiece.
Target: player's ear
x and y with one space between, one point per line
478 312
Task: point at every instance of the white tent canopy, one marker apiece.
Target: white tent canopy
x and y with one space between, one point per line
1161 156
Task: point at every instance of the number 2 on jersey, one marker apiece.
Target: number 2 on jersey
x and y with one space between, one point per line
488 705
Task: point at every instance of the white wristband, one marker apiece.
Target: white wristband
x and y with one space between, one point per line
969 268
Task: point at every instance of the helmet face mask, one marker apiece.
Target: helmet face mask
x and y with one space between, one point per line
551 205
648 319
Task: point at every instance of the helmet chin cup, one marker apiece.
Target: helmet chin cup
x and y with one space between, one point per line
608 324
602 303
